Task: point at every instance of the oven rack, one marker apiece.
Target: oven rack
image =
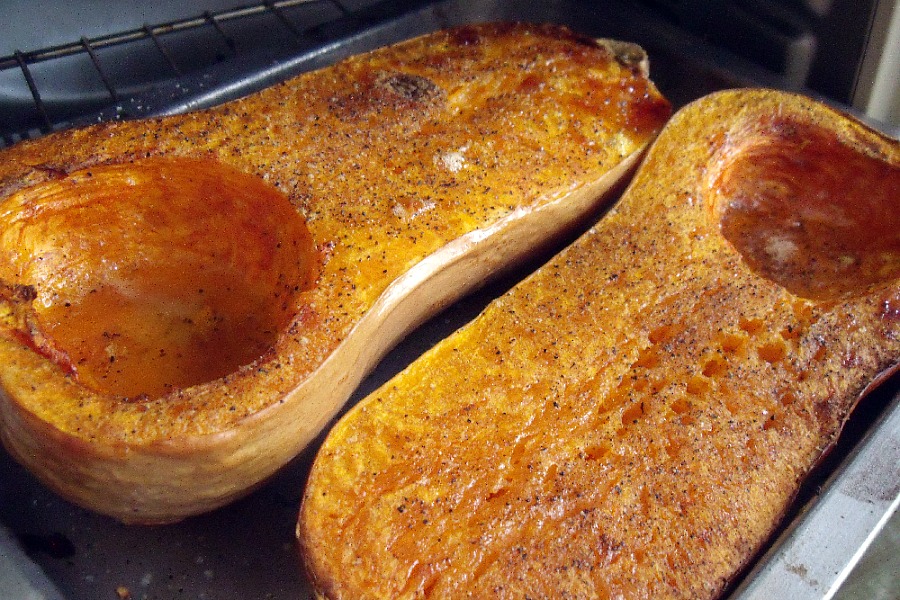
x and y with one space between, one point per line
98 78
117 75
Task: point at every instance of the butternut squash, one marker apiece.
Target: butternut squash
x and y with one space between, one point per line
632 420
186 302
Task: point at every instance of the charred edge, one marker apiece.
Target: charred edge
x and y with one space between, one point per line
413 88
628 55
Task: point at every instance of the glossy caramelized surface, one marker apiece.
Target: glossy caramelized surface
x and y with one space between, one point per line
386 157
633 419
807 211
187 301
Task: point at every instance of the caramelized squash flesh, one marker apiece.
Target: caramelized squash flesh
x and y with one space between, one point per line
186 302
157 274
633 419
807 211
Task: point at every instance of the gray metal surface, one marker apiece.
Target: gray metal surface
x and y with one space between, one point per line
20 577
815 556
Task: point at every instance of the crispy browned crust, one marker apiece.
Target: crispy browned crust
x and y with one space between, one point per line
418 170
633 419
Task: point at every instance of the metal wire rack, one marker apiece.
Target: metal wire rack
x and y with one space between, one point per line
56 87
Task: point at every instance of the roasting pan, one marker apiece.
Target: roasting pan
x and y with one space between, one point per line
50 549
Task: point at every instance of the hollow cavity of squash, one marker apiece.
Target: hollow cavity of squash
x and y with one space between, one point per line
156 274
807 210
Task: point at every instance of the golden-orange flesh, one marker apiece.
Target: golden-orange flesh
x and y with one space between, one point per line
633 419
186 302
158 274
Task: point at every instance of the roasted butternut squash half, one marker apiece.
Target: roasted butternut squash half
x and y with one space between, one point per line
632 420
186 302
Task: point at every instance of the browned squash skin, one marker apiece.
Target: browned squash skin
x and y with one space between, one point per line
632 420
261 256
